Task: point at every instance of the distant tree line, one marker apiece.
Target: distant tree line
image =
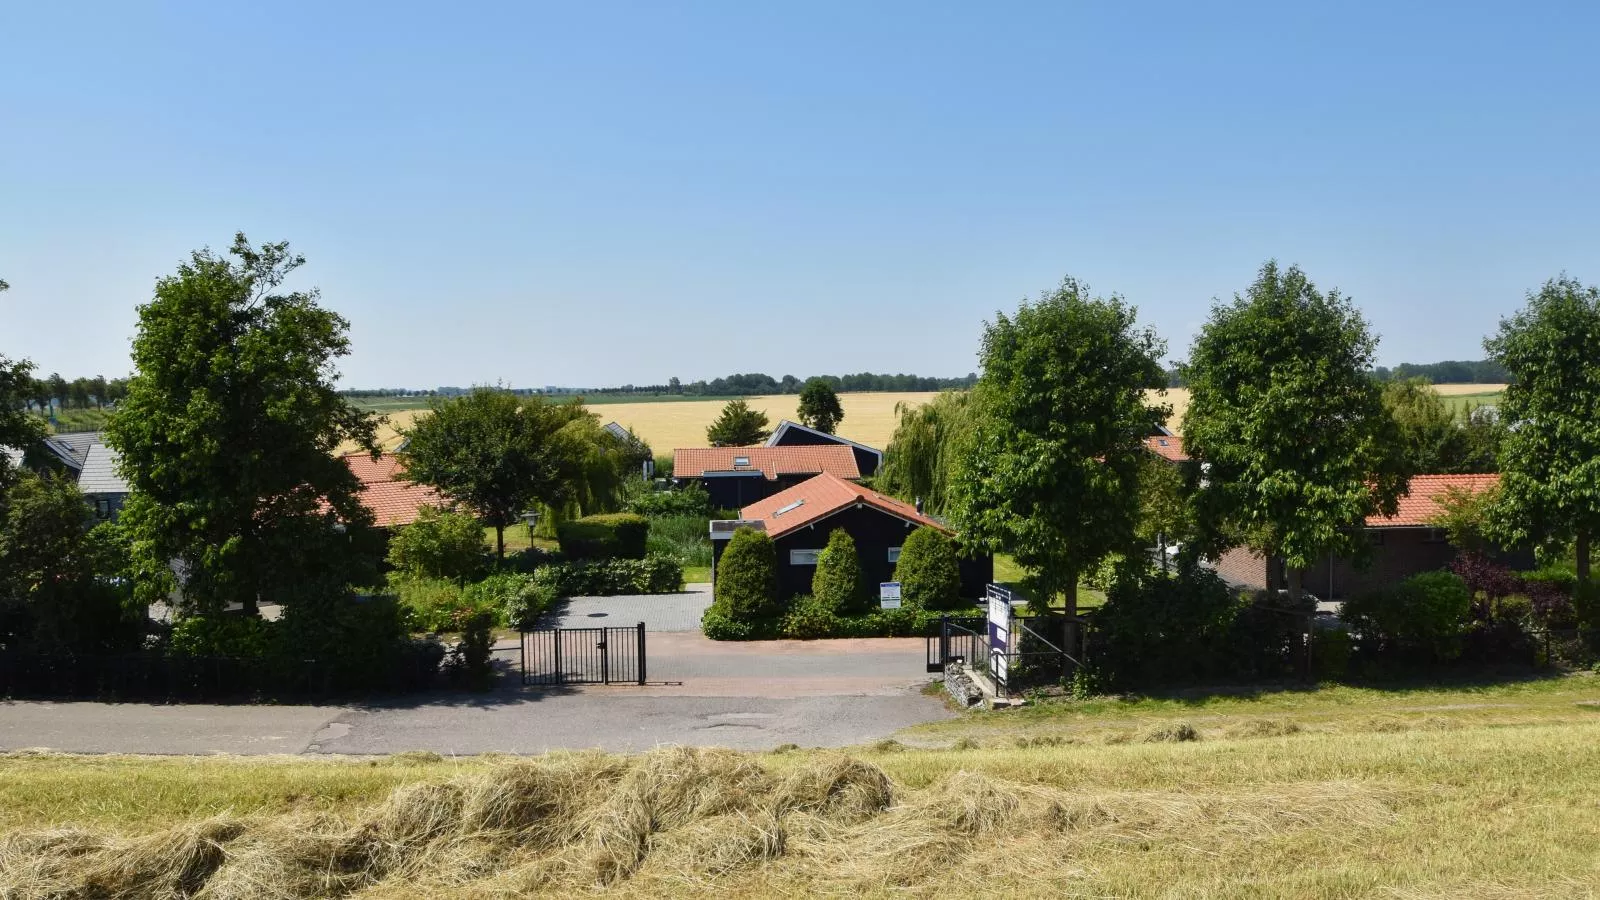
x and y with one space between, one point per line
55 392
1450 371
729 386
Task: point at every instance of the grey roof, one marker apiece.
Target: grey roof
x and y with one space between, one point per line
73 448
99 474
617 430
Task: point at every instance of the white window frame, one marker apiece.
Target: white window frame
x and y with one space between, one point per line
894 554
804 557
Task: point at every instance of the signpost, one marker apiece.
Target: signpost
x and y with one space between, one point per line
889 595
999 631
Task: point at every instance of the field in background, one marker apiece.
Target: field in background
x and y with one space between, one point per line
1340 792
667 423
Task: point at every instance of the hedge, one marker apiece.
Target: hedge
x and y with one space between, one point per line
609 536
837 582
809 618
655 574
928 571
747 578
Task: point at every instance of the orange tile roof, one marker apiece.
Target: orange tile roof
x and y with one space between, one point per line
1166 446
393 500
1421 505
837 459
820 497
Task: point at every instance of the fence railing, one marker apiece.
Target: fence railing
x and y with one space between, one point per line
154 678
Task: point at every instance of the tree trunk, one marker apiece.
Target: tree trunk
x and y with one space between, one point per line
1583 560
500 542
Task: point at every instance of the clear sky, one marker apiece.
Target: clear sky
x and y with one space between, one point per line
593 193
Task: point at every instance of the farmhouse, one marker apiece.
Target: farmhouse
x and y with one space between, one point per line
1403 545
739 476
800 519
393 500
793 434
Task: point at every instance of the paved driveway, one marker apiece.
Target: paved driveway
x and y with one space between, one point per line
658 612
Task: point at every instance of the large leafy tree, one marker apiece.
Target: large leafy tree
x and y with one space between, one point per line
925 448
1550 456
1288 424
1434 440
18 430
1052 471
498 455
227 436
738 426
819 406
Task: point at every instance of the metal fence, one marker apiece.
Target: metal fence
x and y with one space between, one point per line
584 655
154 678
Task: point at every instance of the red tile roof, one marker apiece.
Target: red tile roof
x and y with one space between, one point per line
820 497
836 459
1421 506
1167 446
393 501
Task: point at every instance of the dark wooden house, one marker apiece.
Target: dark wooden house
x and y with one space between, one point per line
736 477
793 434
800 519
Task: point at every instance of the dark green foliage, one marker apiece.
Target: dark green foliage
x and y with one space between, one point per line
684 538
809 618
1433 440
18 429
1051 476
522 607
430 604
747 578
470 660
227 437
1287 417
837 582
1422 619
691 500
819 406
609 536
1550 490
358 642
602 578
1159 629
929 571
237 637
926 445
738 426
663 466
439 544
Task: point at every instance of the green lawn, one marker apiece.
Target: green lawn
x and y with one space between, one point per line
1460 403
1007 572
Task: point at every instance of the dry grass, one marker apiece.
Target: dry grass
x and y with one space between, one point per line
1278 797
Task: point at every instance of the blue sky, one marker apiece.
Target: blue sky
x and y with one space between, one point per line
597 193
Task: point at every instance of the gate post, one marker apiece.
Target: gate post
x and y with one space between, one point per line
641 653
605 656
561 674
522 644
944 642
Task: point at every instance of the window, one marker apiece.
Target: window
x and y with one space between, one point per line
894 554
804 557
102 508
790 508
1435 536
739 461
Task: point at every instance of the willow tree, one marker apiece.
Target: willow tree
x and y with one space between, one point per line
921 455
1052 472
1289 425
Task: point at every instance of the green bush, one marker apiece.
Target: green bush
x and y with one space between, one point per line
718 626
687 501
439 604
812 617
654 574
608 536
471 659
685 538
837 583
242 637
928 571
747 578
439 544
1423 618
515 599
1330 653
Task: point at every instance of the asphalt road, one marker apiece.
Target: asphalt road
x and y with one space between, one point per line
751 696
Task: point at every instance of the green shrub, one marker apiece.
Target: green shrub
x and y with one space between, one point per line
439 544
747 578
663 465
1423 617
837 582
654 574
242 637
687 501
471 659
685 538
811 617
609 536
1330 653
928 571
718 626
439 604
514 599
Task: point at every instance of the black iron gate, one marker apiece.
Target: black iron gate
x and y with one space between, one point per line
583 656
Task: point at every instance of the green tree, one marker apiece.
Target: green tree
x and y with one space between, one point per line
1289 424
18 430
747 578
738 426
1483 432
838 582
441 543
1164 508
929 571
1550 458
227 437
1053 469
496 454
819 406
926 444
1433 441
59 390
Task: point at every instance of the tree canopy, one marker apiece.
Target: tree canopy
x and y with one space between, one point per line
1550 458
228 435
738 426
1288 423
925 448
1052 472
1435 441
819 406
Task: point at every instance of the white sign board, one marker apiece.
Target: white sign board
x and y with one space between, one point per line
889 595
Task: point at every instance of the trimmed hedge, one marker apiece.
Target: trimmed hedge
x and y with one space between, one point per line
837 582
1424 617
747 578
809 619
609 536
928 572
655 574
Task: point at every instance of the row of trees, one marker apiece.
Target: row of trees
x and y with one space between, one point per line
1297 440
738 425
41 394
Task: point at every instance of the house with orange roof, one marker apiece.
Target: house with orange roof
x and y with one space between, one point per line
738 476
794 434
799 520
1404 544
393 500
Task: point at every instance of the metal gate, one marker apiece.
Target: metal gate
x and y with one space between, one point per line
583 655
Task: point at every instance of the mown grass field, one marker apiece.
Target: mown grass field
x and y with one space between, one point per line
1467 791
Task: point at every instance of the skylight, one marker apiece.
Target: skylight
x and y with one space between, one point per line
790 508
741 460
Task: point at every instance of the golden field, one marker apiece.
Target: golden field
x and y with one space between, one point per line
1477 791
869 418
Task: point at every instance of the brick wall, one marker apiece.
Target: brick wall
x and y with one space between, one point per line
1241 567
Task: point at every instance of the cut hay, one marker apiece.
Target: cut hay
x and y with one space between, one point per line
1168 733
1263 728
